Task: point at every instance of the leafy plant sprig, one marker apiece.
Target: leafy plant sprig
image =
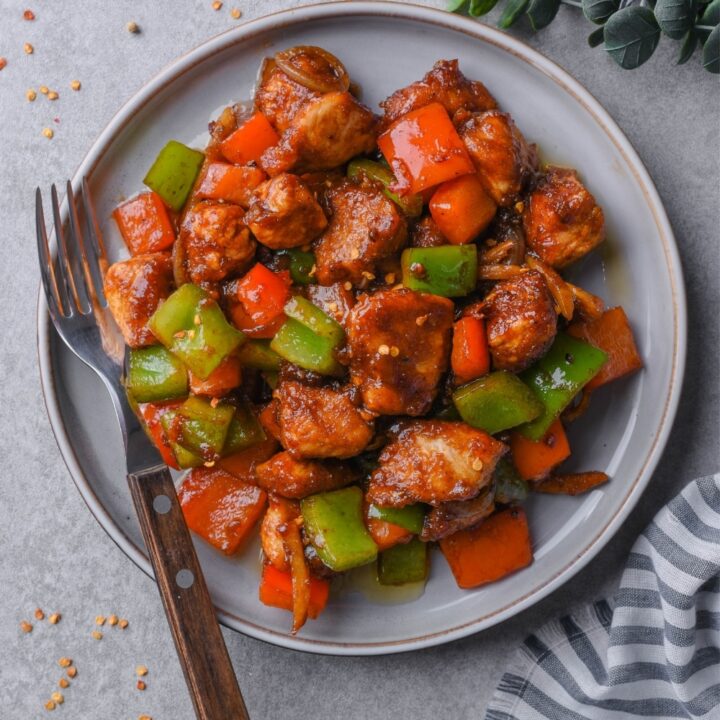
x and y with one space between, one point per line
629 31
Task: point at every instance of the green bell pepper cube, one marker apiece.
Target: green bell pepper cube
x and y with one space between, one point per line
298 344
403 564
411 205
202 429
191 325
185 458
300 265
509 486
313 318
335 527
558 377
155 374
448 270
496 402
244 431
173 173
410 517
257 354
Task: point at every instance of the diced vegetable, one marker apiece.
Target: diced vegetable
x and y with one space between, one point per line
201 428
183 458
536 458
220 508
447 270
498 547
150 415
470 356
462 209
301 264
313 318
261 294
558 377
244 430
410 517
611 333
144 224
257 354
250 140
173 173
267 418
242 464
509 486
297 344
572 484
496 402
411 205
386 535
334 525
403 564
276 591
232 183
191 325
155 374
423 149
225 377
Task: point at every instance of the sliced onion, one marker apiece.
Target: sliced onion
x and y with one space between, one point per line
560 290
500 272
299 571
590 306
315 68
497 253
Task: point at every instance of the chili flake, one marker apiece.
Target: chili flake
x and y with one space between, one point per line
63 683
29 15
140 685
3 62
71 672
39 614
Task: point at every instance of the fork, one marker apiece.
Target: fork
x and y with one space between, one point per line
73 284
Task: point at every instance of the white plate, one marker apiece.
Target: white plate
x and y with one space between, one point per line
386 46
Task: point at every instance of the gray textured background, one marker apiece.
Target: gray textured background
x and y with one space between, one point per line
55 556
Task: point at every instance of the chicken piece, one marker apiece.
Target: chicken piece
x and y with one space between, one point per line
399 343
319 422
451 517
426 233
214 242
279 513
562 221
521 321
134 289
295 479
325 133
444 84
336 300
284 213
279 98
504 160
365 227
434 461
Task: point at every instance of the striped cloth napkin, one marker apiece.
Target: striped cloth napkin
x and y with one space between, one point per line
653 651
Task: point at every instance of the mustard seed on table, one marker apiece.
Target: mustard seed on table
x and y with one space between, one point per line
55 618
39 614
25 626
65 662
71 672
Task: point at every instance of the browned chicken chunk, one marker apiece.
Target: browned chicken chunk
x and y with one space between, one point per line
325 133
521 321
134 289
319 422
336 300
294 478
284 213
399 344
434 461
562 220
365 226
444 84
451 517
214 242
279 98
426 233
500 153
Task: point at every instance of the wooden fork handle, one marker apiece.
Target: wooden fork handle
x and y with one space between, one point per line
190 613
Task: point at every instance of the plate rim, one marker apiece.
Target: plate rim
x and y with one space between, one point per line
486 34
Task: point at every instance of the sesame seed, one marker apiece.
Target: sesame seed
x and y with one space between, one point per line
179 334
55 618
191 334
354 254
197 320
235 13
420 320
49 705
75 85
48 133
519 206
63 683
141 670
30 95
26 627
390 278
123 624
477 464
65 662
52 95
394 351
28 15
44 89
113 620
313 270
384 349
97 635
209 464
28 48
58 697
39 614
332 306
71 672
133 27
347 285
368 275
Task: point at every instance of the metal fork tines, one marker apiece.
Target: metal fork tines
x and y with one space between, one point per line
73 284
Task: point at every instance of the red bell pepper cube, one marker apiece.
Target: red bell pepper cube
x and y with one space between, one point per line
276 591
470 357
232 183
250 140
144 224
150 413
261 295
534 459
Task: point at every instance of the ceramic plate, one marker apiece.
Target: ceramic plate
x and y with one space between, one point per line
386 46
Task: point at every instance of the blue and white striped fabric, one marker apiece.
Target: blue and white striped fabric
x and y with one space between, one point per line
654 651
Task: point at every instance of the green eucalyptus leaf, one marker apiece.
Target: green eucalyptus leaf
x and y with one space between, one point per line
688 47
598 11
542 12
596 37
675 17
711 14
481 7
711 51
631 36
512 12
455 5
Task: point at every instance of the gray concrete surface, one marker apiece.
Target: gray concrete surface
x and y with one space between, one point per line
55 556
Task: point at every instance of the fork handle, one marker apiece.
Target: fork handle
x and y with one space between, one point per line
189 610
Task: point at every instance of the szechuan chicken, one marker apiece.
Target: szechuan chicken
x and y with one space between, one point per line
351 330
